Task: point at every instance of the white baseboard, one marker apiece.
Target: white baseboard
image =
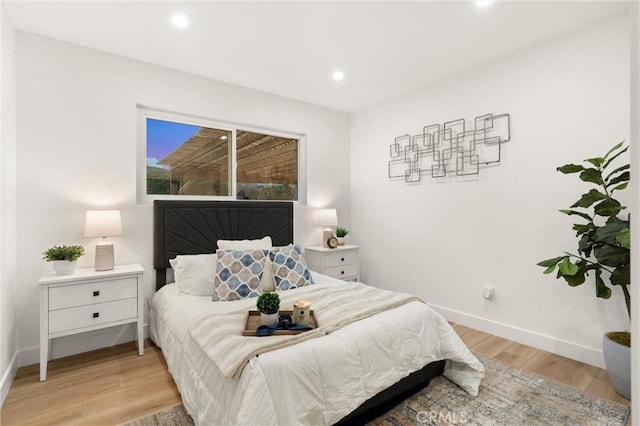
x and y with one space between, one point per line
84 342
551 344
7 378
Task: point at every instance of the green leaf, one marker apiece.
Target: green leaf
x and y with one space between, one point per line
620 187
591 175
581 229
619 169
601 288
567 268
589 198
585 245
608 207
622 177
616 146
576 213
550 262
610 160
624 237
612 255
595 161
575 280
621 275
607 233
570 168
550 269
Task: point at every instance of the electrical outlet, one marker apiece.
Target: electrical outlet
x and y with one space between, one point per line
488 291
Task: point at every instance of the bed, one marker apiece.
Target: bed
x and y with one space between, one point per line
345 376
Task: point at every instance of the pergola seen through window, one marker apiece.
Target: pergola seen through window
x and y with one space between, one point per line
183 159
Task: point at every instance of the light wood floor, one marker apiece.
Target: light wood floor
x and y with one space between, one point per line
113 385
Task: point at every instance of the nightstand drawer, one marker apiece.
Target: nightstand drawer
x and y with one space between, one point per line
343 271
343 258
91 315
86 294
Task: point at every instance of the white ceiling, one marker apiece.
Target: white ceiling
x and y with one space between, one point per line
385 49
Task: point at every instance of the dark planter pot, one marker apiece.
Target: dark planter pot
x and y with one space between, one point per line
617 358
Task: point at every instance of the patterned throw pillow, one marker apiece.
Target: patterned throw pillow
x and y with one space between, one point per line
289 267
239 274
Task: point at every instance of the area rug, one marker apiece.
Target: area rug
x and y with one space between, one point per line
508 396
174 416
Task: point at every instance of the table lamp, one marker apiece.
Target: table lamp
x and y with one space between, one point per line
103 223
327 218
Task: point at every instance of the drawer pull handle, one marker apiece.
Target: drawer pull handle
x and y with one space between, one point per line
342 259
96 293
342 272
96 314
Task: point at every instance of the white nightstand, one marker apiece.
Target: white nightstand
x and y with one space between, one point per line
341 262
89 300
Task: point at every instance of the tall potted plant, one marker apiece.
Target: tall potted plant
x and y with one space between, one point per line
604 249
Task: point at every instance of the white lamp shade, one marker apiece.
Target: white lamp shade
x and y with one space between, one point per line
327 217
102 223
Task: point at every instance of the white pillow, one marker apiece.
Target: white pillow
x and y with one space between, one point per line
195 274
241 245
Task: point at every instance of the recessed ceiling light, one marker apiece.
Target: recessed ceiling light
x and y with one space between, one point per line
483 3
337 75
180 21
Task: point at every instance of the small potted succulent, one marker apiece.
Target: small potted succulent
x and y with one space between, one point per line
268 305
341 233
64 258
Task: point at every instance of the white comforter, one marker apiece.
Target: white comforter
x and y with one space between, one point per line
335 307
316 382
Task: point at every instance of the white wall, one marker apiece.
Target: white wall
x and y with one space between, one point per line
444 240
76 130
8 349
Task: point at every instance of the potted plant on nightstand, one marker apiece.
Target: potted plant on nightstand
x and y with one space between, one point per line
64 258
268 305
603 248
341 233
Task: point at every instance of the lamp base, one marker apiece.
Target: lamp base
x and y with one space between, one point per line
105 260
326 234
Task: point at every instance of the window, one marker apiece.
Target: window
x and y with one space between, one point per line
267 167
183 159
187 157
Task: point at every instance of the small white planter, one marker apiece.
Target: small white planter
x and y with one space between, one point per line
269 319
340 241
64 267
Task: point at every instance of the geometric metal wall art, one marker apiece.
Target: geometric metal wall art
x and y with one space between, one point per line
450 149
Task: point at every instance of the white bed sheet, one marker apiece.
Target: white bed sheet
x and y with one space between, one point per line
316 382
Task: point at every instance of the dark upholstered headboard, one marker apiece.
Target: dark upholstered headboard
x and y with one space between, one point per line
194 227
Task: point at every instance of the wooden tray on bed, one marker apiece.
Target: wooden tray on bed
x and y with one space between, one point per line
254 321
